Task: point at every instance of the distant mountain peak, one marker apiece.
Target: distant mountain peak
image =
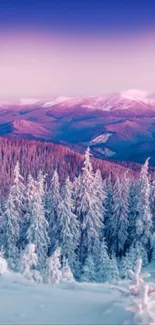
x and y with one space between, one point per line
137 95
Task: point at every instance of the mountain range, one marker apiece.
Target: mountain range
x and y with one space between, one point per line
117 127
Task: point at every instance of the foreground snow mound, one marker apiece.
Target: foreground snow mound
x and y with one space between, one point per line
24 302
126 302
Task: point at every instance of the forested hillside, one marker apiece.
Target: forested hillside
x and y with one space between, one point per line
94 226
35 155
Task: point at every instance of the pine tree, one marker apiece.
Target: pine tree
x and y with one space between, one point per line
144 219
67 275
153 248
128 262
124 216
28 261
53 273
113 272
29 196
11 231
18 189
133 212
103 263
53 210
76 189
141 252
89 271
13 217
88 210
18 192
152 201
37 233
109 202
69 225
1 226
100 193
119 226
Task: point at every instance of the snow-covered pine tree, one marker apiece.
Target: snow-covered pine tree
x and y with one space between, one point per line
109 214
133 212
18 189
1 226
28 261
144 219
53 273
18 192
89 270
153 249
100 199
67 275
11 231
100 192
14 209
69 226
115 217
29 192
88 210
113 271
124 216
141 252
103 263
128 262
152 200
53 209
119 224
76 188
37 232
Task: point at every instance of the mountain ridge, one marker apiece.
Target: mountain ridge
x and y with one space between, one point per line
128 125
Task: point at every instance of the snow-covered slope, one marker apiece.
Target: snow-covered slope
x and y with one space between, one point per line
103 138
105 152
23 302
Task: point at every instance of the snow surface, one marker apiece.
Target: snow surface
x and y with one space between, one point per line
26 302
103 138
106 152
23 302
55 101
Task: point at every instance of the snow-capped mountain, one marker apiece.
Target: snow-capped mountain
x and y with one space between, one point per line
122 123
139 95
119 100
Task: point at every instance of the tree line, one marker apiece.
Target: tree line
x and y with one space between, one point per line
95 227
48 157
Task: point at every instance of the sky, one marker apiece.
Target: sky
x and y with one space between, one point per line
76 47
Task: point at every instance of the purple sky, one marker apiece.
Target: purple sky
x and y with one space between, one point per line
52 48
